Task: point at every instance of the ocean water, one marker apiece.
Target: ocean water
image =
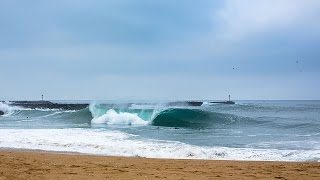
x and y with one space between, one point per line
247 130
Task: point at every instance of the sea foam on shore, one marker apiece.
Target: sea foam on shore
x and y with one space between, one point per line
116 143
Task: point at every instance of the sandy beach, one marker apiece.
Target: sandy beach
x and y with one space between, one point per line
48 165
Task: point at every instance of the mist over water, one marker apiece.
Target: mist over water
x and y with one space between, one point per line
247 130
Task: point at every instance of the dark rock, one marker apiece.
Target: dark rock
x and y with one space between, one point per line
186 103
195 103
1 113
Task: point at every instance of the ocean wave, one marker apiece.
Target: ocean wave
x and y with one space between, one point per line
192 118
185 117
164 116
7 109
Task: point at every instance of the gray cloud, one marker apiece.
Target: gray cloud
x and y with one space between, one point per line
160 50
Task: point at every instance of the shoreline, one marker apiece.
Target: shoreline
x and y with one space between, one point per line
26 164
105 155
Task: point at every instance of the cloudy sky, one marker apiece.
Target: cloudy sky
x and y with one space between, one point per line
159 50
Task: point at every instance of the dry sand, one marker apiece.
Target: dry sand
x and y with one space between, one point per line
44 165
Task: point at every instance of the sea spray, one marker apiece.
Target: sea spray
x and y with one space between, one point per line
113 117
7 109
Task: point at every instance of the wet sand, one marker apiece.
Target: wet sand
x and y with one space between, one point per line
47 165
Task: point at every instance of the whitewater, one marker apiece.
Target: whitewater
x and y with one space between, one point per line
247 130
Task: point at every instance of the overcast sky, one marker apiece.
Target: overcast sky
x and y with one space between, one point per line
159 50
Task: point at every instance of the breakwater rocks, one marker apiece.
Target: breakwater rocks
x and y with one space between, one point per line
186 103
48 105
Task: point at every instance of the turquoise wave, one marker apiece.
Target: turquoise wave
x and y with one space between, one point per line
165 116
169 117
191 118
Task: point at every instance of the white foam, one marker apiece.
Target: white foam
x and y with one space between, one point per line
41 109
4 107
8 110
116 143
112 117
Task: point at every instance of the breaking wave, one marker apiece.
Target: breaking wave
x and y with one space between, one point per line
113 117
127 115
167 117
7 109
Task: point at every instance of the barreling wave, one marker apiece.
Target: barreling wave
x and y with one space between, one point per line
167 117
184 117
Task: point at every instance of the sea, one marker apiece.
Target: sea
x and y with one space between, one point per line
246 130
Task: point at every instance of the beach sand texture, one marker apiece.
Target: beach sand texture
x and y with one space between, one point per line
45 165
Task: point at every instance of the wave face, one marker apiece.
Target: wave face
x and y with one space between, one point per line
191 118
